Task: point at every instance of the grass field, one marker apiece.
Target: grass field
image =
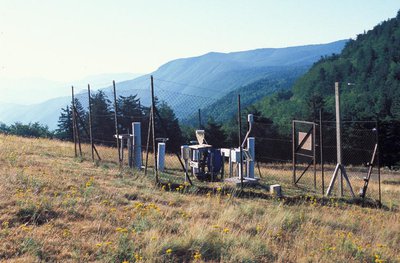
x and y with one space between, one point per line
56 208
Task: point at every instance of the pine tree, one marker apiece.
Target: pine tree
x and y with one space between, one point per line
215 135
103 128
65 125
128 111
3 128
167 126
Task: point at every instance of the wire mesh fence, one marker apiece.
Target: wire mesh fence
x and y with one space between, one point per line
305 157
178 115
290 159
358 144
97 124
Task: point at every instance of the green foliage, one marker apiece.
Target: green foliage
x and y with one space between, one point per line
167 126
31 246
277 79
125 250
3 128
103 123
103 127
129 110
35 130
65 126
215 135
371 64
65 129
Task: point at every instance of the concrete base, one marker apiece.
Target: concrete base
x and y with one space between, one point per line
246 180
276 190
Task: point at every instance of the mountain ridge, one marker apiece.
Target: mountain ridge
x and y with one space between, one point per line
222 72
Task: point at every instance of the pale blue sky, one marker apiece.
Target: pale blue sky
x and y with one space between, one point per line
68 40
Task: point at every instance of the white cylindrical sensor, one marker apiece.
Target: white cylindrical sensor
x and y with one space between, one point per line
161 156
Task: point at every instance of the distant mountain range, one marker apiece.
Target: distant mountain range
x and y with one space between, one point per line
27 91
209 77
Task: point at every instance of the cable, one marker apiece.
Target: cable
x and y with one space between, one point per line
187 85
180 93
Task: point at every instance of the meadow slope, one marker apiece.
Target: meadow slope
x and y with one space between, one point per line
57 208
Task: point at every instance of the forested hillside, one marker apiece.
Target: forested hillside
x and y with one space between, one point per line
282 78
368 70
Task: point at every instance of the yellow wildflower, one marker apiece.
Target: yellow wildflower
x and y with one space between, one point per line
197 255
168 251
66 233
378 259
138 257
25 228
121 230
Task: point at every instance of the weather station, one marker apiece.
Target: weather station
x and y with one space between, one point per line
207 163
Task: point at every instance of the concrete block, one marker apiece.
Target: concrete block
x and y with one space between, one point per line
276 190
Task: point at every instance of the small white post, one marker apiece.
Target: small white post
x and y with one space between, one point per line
230 163
250 163
137 145
239 163
195 158
130 143
185 154
161 156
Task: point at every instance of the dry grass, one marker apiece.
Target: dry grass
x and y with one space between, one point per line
59 209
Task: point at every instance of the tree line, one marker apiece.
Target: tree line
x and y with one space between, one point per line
371 64
129 109
35 130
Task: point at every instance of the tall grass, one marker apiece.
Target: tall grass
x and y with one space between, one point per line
56 208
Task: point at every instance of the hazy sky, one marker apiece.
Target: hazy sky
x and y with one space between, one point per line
70 39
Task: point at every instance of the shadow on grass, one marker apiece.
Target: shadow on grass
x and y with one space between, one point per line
35 215
258 192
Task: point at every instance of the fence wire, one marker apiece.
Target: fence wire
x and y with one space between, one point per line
179 114
358 143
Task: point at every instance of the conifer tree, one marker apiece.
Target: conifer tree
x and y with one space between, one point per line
65 122
102 118
215 135
65 125
167 126
128 111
